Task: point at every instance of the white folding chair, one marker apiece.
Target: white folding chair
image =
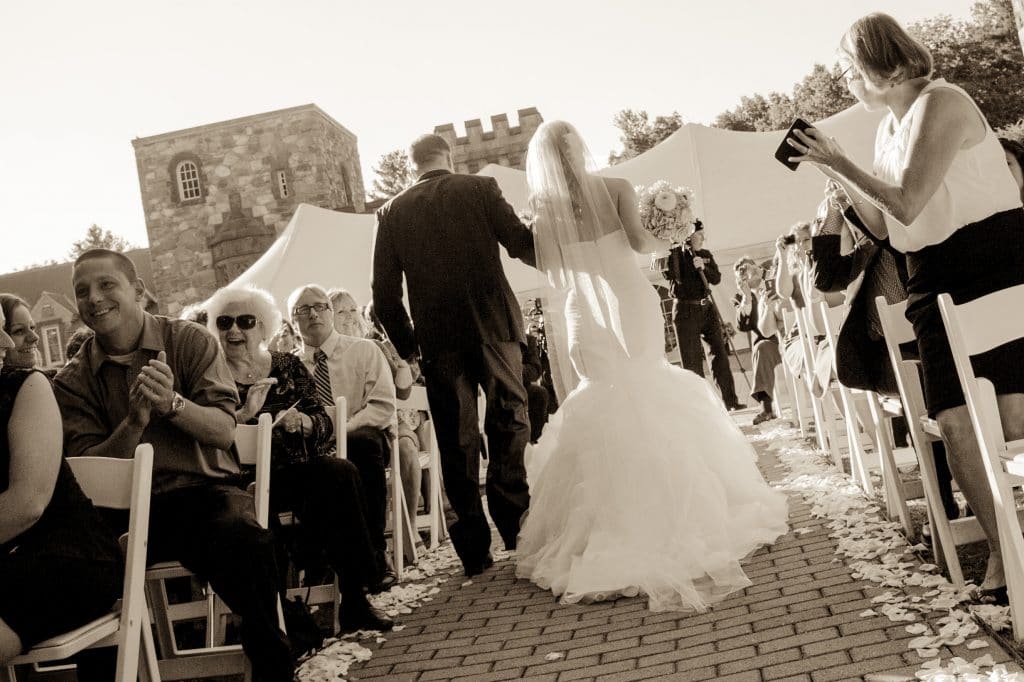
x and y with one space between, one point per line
115 484
214 659
824 411
974 328
853 406
429 460
946 535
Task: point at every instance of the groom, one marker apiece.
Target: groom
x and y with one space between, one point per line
443 233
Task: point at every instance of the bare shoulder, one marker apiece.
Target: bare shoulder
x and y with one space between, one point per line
619 188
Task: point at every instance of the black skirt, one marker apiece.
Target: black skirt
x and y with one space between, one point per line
978 259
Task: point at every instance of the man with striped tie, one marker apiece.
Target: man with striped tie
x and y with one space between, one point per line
356 369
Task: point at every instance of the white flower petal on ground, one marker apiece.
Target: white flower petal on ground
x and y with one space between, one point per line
554 656
977 644
917 629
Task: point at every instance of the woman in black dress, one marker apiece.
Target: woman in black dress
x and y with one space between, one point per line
60 566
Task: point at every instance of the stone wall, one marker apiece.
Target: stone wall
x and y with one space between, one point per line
500 145
253 173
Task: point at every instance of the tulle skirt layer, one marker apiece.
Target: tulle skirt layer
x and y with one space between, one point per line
644 485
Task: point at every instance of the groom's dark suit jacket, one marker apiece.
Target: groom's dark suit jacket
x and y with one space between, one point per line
444 233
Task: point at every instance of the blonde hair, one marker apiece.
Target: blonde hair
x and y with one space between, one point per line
884 51
263 307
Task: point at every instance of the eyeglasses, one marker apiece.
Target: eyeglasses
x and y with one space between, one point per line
843 74
245 322
304 310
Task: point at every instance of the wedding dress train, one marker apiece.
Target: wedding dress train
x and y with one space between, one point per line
641 482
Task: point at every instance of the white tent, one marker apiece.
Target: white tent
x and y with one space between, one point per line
744 196
318 246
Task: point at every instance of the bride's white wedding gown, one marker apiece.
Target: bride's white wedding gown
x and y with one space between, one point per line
641 482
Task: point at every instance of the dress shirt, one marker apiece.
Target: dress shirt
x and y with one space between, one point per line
359 372
92 391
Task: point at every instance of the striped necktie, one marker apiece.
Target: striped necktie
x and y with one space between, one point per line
322 378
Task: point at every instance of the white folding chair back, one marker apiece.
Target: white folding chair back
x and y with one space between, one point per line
946 535
974 328
824 416
797 391
115 484
434 518
253 446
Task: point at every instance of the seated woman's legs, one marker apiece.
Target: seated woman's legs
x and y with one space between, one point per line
969 471
412 474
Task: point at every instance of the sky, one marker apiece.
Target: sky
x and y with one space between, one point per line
80 80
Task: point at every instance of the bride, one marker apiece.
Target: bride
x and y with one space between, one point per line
641 482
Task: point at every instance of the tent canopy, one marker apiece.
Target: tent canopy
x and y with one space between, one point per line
743 195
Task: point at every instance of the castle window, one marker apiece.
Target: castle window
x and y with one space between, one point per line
188 181
282 183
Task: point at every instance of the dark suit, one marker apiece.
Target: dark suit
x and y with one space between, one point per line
537 393
443 234
694 316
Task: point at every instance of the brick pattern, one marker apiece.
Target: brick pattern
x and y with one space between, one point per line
799 620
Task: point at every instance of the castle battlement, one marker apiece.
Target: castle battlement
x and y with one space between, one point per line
502 145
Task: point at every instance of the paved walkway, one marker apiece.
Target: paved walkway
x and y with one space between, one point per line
800 620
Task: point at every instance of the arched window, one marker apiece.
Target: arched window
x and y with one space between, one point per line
187 175
281 177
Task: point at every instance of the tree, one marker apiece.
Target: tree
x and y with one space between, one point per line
982 55
639 134
98 238
394 173
819 95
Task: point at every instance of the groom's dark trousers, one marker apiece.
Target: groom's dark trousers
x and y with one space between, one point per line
443 236
452 380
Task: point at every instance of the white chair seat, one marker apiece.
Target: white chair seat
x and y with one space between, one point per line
83 637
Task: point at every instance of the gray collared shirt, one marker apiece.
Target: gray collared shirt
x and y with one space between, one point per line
92 391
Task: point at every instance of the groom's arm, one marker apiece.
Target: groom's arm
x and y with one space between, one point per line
387 290
508 229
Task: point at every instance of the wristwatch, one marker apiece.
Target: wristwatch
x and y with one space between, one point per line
177 404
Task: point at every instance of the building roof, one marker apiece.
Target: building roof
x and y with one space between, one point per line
56 279
141 141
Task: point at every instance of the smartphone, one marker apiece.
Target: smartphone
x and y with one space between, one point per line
784 151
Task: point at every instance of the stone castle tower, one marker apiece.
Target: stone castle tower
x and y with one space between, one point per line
501 145
216 196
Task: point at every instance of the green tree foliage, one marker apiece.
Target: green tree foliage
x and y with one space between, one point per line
639 133
394 173
98 238
982 55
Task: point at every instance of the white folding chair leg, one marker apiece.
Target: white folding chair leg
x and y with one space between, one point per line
895 499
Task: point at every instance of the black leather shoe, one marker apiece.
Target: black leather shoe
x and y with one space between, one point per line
477 569
363 616
762 417
386 582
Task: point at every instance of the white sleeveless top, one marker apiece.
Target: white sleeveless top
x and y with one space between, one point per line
977 185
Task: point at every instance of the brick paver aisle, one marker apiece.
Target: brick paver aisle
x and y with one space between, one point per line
798 621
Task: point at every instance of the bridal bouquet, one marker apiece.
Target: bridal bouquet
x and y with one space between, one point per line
667 211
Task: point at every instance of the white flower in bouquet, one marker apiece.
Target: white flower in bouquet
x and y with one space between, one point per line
666 211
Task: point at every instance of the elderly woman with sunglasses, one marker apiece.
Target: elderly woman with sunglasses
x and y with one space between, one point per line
940 192
324 493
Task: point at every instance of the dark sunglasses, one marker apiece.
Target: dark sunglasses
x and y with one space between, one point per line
245 322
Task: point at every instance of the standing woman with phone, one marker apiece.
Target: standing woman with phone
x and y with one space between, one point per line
940 192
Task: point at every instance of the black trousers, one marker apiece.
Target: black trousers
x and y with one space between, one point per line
694 321
537 407
212 531
452 383
326 495
369 449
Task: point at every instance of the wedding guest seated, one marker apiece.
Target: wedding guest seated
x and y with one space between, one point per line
148 378
412 424
1014 151
60 565
533 376
324 492
794 281
194 313
764 349
78 337
21 328
284 340
356 369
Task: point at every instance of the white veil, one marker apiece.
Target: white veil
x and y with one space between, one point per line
572 210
